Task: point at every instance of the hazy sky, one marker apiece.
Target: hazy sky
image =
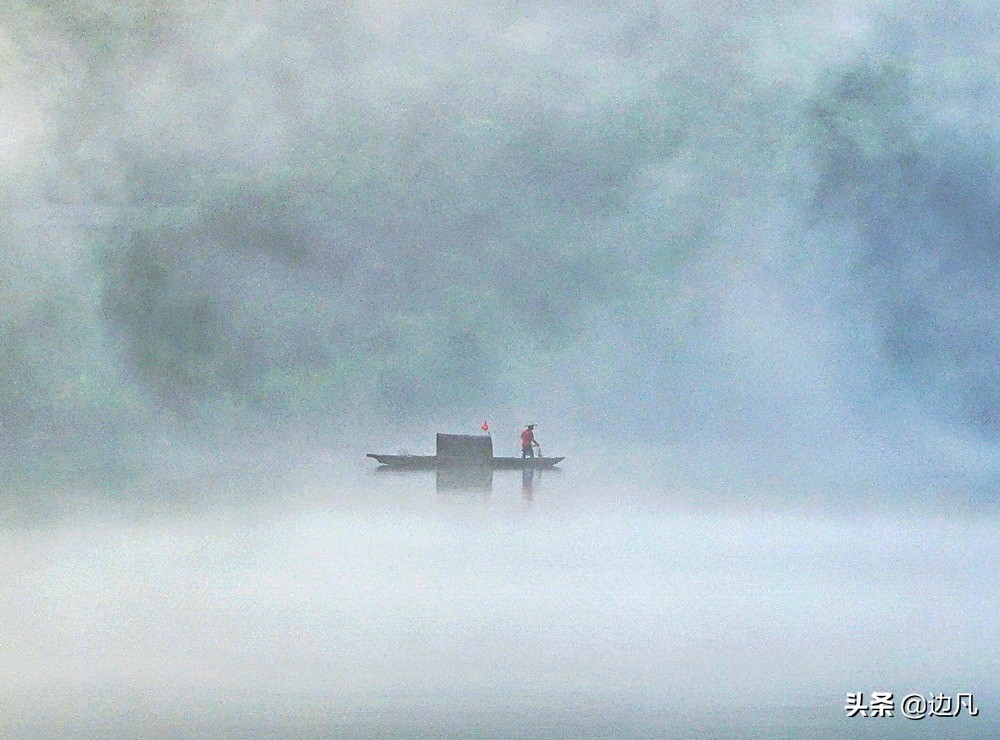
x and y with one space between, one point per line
763 229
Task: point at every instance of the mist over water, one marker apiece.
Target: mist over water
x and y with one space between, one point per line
576 603
737 262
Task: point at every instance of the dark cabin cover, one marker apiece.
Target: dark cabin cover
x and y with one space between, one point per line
464 450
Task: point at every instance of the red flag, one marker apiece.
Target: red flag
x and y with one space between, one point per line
486 427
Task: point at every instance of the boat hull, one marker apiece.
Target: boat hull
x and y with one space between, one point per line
519 463
431 462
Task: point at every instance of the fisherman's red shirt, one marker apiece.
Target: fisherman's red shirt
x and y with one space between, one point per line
527 437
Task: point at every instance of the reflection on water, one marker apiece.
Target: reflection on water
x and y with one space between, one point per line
478 480
528 484
369 606
464 479
459 480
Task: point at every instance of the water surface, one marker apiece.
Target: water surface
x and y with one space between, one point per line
575 602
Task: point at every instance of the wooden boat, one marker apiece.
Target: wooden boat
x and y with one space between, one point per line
432 462
463 451
524 463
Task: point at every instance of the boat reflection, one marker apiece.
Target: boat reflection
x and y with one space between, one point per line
459 480
464 480
527 484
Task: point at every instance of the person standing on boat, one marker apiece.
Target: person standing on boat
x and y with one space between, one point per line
528 443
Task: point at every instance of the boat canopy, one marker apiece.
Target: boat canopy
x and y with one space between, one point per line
464 450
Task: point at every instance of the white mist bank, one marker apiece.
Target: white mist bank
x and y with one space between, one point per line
391 599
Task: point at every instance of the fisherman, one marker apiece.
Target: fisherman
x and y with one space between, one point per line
528 443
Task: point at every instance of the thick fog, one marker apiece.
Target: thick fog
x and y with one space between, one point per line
764 228
576 604
735 259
